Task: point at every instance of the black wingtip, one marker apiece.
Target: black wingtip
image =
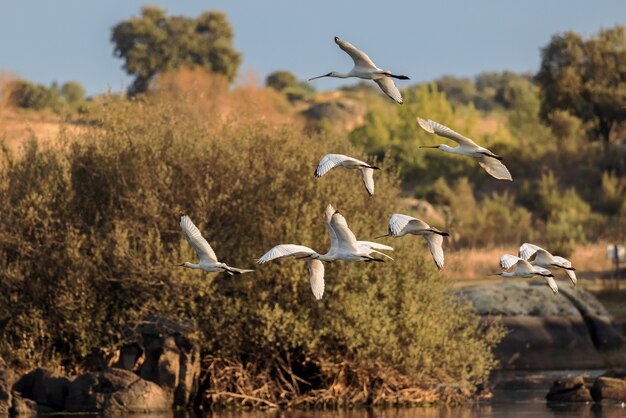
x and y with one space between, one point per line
444 234
180 215
373 167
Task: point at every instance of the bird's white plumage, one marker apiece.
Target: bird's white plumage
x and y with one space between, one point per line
360 58
330 161
523 267
388 87
527 250
346 240
435 243
495 168
441 130
552 283
367 174
197 241
401 224
316 277
365 68
328 214
545 259
486 159
507 261
375 245
286 250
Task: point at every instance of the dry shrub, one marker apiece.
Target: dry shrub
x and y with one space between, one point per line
89 240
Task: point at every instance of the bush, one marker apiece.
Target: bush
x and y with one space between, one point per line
91 240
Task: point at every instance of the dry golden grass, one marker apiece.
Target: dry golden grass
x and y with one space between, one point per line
472 266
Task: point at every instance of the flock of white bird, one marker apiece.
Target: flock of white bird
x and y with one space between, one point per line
532 260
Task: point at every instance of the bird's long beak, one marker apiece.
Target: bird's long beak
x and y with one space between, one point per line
429 146
319 76
494 274
382 236
180 265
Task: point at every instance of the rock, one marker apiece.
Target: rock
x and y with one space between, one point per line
115 391
569 390
171 360
7 379
609 388
130 357
27 407
44 386
546 331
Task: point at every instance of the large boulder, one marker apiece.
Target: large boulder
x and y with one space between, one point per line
44 386
115 391
171 358
7 379
569 390
546 331
609 388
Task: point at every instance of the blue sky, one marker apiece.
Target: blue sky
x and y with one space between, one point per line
66 40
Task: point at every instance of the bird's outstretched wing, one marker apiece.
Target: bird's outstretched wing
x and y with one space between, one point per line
507 261
286 250
387 85
316 276
359 57
435 244
367 174
329 161
566 263
328 214
441 130
552 283
495 168
398 222
523 267
196 240
345 237
527 250
375 245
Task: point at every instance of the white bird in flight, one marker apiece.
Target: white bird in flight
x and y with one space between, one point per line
400 225
330 161
339 250
208 259
365 68
542 258
526 270
487 159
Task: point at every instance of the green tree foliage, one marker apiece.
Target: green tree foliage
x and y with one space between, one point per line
280 80
91 242
155 43
73 93
586 77
457 90
27 95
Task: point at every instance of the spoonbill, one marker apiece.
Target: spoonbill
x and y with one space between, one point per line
400 225
526 270
542 258
340 249
487 159
365 68
208 259
330 161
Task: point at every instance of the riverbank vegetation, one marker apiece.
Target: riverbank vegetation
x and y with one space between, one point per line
90 243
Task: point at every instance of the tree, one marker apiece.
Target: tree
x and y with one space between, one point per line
73 92
155 42
281 80
586 78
